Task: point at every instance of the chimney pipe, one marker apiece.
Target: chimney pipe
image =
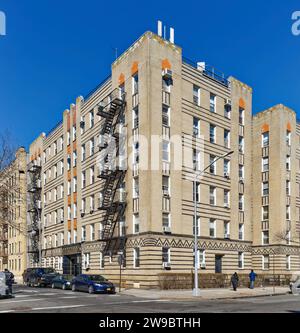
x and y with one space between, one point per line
159 28
172 35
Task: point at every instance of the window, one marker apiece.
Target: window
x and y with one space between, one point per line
226 138
136 257
265 237
83 179
101 260
55 194
241 260
212 195
226 198
196 95
54 148
196 127
265 189
226 229
196 159
226 168
265 139
166 185
288 212
197 226
241 171
165 116
74 133
197 192
288 138
92 203
241 116
92 175
92 147
69 213
69 187
82 124
86 260
241 231
83 233
92 118
212 228
288 188
265 213
68 138
74 210
166 255
288 238
68 162
288 262
60 143
241 202
136 223
136 188
166 151
212 168
241 144
212 133
82 152
135 84
74 158
288 163
265 262
166 220
265 164
69 237
83 205
92 232
212 103
135 118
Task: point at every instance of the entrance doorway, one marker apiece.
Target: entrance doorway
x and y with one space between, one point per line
218 263
72 264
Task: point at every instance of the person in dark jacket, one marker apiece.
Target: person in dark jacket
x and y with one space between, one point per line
234 281
9 280
252 277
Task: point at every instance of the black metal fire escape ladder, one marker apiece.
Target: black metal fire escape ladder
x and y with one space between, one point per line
112 109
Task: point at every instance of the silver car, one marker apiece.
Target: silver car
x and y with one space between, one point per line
4 291
295 285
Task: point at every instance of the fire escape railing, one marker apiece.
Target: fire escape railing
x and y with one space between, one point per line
112 172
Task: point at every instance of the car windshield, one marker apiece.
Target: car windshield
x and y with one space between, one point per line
98 278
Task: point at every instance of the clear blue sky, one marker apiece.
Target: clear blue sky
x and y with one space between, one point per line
56 50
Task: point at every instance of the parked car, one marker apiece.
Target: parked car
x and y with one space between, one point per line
39 276
4 292
92 284
62 281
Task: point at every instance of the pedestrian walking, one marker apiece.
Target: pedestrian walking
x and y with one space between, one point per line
9 280
252 277
234 281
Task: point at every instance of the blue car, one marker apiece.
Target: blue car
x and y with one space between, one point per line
62 282
92 284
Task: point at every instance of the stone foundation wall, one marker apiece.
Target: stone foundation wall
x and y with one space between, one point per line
206 281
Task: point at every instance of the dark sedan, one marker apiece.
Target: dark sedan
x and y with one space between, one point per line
92 284
62 282
46 279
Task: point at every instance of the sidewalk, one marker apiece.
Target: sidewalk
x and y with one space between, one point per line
206 294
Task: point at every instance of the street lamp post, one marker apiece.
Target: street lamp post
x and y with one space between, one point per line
196 290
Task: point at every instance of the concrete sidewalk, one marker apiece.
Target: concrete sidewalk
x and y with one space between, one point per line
206 294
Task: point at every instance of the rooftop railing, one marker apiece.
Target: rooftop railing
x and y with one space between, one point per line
209 71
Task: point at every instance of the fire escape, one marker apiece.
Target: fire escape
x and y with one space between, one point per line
112 171
34 210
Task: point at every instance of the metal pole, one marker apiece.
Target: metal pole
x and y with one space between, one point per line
120 273
196 291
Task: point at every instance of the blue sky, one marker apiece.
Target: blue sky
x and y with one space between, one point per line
56 50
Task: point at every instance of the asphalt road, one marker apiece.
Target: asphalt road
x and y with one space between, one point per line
47 300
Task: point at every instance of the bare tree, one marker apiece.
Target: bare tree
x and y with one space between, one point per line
284 236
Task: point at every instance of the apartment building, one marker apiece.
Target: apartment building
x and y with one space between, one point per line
13 247
140 215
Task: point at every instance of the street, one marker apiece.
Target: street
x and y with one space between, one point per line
47 300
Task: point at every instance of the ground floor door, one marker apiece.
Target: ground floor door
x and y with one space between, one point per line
218 264
72 264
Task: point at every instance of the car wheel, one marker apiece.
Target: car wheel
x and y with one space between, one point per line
63 287
91 289
73 287
53 286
